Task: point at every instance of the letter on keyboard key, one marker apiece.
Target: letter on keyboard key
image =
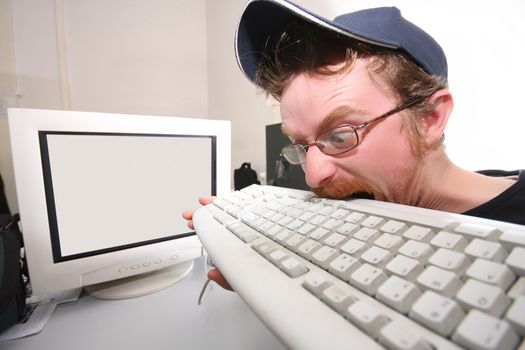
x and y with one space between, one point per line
343 266
449 240
292 267
405 267
376 256
450 260
416 250
481 331
398 293
441 281
398 337
437 312
479 248
366 317
492 273
482 296
368 278
353 247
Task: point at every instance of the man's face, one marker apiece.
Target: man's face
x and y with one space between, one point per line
382 164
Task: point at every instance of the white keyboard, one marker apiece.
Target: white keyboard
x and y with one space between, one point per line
363 274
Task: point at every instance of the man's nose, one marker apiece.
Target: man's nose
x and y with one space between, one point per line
318 168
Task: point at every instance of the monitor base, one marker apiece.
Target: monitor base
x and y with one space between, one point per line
136 286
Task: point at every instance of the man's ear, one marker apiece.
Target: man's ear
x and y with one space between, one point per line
436 121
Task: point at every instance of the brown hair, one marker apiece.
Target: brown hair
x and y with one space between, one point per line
304 47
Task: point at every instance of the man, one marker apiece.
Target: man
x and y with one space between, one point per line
364 101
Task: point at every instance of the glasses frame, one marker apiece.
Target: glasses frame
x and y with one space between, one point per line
354 128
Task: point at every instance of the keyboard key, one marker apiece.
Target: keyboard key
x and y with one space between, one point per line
398 293
315 283
404 267
307 248
372 221
292 267
347 228
332 223
390 242
283 235
318 219
419 233
486 250
394 227
449 240
340 213
482 331
305 228
440 281
492 273
338 298
517 289
354 247
482 296
437 312
367 278
368 318
323 256
295 240
416 250
319 233
376 256
334 240
471 231
355 217
343 266
450 260
516 315
512 238
516 261
367 235
397 336
276 256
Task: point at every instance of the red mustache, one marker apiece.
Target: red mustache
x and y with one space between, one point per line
344 188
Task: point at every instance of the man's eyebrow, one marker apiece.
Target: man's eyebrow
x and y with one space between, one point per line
328 121
337 114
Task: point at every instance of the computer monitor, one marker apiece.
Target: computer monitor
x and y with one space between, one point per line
101 197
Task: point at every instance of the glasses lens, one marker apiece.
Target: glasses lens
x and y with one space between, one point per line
294 154
338 140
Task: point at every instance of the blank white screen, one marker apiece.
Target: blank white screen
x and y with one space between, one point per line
114 190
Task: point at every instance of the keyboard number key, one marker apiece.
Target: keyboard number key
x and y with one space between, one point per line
481 331
479 248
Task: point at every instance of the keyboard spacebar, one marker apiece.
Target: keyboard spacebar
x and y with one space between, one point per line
412 215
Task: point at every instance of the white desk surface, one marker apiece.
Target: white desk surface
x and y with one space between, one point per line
169 319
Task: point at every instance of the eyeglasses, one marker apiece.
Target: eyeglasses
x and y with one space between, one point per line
337 140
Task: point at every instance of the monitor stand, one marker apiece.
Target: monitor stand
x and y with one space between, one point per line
139 285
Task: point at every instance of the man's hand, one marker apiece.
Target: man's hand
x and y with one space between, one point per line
188 214
214 274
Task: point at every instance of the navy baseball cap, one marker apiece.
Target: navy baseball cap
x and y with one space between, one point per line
382 26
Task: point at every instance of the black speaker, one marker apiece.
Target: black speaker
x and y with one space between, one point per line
278 171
